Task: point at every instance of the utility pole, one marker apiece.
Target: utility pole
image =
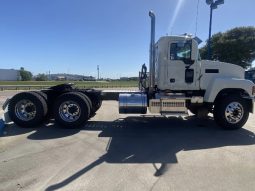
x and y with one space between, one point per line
213 5
210 34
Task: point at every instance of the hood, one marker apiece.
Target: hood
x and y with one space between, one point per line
221 68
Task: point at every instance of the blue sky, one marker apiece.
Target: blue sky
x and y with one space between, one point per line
74 36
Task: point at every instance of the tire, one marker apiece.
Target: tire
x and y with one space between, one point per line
95 98
231 112
42 94
45 97
79 110
89 103
27 109
98 104
51 97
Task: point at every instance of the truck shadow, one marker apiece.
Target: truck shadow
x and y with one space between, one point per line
152 140
148 139
145 139
46 131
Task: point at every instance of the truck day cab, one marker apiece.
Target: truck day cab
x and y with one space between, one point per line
177 81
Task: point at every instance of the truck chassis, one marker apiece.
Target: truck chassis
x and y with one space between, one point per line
177 81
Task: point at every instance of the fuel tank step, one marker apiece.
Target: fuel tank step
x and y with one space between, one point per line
168 106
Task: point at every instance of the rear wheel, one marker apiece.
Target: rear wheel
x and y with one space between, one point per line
95 98
231 112
42 94
71 110
89 103
98 104
27 109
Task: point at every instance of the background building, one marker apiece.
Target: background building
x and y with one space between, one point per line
9 75
71 77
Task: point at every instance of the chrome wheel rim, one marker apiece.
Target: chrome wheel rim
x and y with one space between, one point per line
25 110
69 111
234 112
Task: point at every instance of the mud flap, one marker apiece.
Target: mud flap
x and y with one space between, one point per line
5 118
2 126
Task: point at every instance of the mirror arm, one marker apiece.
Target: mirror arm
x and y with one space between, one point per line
187 67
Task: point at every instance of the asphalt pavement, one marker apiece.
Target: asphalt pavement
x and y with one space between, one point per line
128 152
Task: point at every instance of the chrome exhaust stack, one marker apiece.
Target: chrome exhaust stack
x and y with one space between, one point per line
152 51
138 102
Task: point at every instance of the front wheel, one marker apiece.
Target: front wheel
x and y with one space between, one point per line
231 112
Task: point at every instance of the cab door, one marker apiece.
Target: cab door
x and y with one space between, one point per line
181 69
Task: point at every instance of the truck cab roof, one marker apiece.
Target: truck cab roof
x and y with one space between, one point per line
183 37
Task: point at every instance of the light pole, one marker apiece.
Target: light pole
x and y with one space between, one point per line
213 5
97 72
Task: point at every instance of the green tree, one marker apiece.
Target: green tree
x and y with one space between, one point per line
236 46
25 75
41 77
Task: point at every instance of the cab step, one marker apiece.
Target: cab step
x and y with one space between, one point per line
168 106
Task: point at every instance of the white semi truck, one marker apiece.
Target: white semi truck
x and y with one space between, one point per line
177 81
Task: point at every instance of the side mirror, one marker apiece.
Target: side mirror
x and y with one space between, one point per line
188 61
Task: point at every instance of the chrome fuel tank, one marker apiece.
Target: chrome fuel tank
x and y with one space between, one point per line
133 103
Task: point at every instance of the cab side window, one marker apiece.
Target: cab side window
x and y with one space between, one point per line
180 51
